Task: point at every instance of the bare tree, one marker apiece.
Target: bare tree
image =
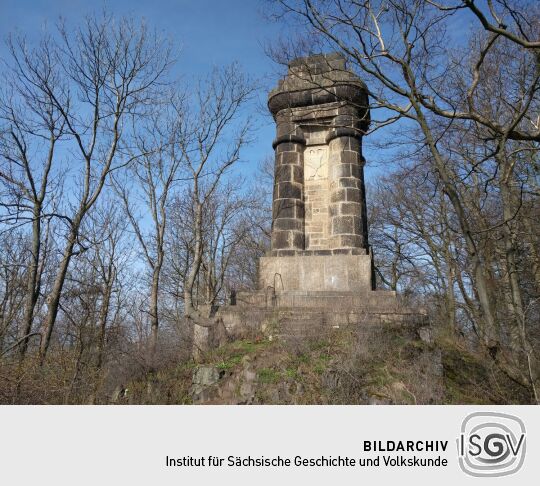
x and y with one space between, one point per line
92 82
227 226
211 143
32 126
156 173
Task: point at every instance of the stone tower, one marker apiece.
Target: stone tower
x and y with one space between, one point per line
318 273
319 226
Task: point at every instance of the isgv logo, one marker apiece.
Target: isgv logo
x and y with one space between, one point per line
491 444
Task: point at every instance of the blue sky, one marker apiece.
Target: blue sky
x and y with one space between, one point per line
208 32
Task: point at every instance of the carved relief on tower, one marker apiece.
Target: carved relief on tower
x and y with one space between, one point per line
316 192
315 163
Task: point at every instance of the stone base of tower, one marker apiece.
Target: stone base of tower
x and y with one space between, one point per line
304 314
320 270
301 314
309 292
304 294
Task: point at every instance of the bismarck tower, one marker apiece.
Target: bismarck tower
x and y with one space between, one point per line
319 226
318 272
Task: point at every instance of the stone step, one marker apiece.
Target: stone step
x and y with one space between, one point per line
378 301
284 320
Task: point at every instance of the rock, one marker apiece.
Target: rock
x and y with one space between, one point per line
204 377
248 383
425 334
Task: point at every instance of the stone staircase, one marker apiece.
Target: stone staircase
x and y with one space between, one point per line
297 313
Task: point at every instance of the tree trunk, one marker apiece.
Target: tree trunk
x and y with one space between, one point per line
102 322
489 331
509 237
154 303
518 340
54 296
450 298
189 307
32 287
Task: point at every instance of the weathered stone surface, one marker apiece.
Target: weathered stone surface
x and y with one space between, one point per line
289 190
285 147
285 208
317 272
281 240
282 321
288 224
225 387
318 80
205 375
290 158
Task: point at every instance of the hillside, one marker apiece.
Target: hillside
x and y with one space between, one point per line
372 365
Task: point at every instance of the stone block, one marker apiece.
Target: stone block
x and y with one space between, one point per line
282 173
280 240
339 195
288 224
356 171
290 158
289 190
350 208
350 241
318 272
341 170
299 240
284 208
355 145
348 182
352 195
334 209
348 157
297 174
288 128
285 147
339 144
343 225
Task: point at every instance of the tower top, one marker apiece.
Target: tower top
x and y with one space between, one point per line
316 80
319 63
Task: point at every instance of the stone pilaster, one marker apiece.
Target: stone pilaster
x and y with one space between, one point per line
347 218
288 201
